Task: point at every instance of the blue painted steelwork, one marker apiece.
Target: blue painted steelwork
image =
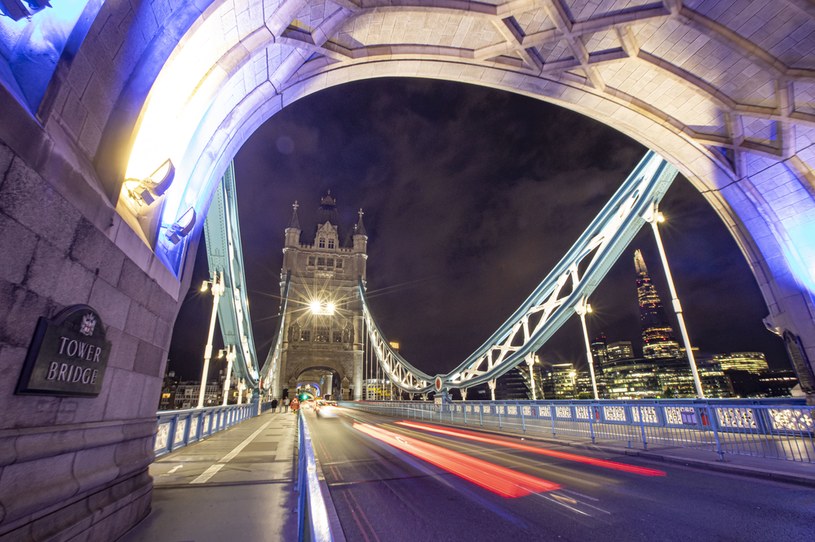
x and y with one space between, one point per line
554 300
225 255
769 428
270 372
178 428
313 519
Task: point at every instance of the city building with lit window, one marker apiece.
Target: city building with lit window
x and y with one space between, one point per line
658 339
599 351
661 378
618 350
753 362
559 381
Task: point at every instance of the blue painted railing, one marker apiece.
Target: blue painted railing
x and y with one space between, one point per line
777 429
178 428
314 523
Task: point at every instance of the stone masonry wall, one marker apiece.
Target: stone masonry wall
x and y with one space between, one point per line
71 465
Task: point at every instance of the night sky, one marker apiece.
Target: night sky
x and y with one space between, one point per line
471 196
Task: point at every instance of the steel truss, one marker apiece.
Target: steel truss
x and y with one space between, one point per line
225 255
555 299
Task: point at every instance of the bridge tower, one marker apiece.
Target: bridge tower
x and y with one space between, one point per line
323 339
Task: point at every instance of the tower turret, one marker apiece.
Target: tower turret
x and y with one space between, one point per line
293 230
360 235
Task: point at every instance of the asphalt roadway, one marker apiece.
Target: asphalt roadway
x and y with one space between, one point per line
391 482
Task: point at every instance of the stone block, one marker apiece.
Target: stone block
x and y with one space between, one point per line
90 136
132 245
133 456
163 334
151 393
104 433
141 323
44 269
8 453
124 395
6 156
119 507
73 114
48 214
80 73
149 359
95 251
69 282
95 467
38 443
64 523
134 281
123 349
17 246
24 309
111 304
87 409
31 486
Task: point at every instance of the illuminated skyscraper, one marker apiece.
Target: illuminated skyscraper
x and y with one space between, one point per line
657 335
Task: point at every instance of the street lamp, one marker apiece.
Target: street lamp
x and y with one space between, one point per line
230 359
582 309
530 361
322 308
654 217
216 285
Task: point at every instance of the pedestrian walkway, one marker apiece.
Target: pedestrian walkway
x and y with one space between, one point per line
235 485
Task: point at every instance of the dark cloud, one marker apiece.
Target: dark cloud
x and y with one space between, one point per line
471 196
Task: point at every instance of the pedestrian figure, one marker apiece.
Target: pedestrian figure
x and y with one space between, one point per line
274 405
285 404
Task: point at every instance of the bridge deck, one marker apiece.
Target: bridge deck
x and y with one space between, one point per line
236 485
239 484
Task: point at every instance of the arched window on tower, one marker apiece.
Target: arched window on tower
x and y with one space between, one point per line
321 242
330 243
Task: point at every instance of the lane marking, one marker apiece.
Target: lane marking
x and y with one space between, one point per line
207 474
213 469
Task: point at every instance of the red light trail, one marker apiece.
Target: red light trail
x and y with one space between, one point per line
500 480
643 471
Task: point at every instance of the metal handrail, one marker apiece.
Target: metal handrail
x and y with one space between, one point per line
774 429
313 522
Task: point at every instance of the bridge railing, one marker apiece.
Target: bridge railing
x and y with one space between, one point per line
777 429
178 428
314 523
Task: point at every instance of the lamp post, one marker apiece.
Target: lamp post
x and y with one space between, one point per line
582 308
530 361
230 359
241 387
654 217
217 288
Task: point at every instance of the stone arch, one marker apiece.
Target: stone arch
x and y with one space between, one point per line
740 128
728 165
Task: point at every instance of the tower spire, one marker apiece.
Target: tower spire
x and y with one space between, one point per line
359 227
639 263
295 221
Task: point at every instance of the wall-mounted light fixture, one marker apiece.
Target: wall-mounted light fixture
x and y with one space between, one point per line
145 192
17 9
181 227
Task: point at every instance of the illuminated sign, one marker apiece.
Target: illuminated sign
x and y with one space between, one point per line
68 355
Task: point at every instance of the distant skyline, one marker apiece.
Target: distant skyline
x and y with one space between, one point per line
471 195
